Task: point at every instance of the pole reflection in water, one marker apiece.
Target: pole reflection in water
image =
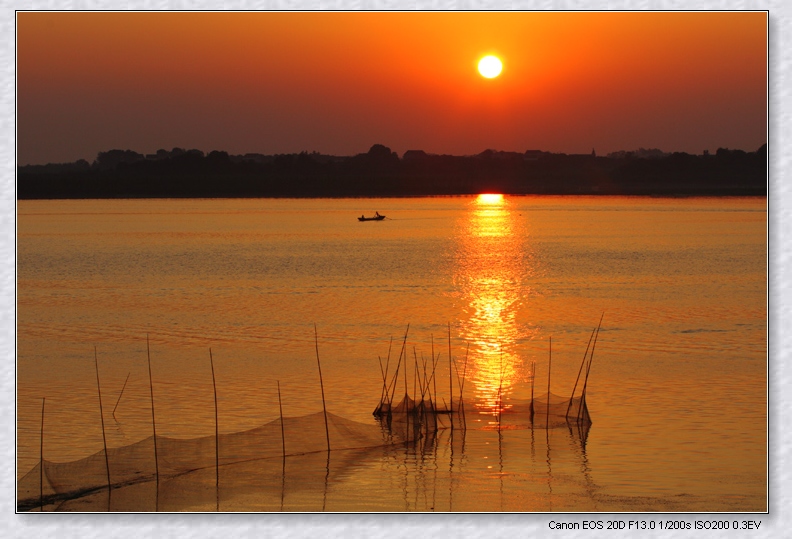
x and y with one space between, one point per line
493 261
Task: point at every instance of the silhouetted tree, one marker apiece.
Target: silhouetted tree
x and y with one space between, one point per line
380 172
218 157
379 151
111 159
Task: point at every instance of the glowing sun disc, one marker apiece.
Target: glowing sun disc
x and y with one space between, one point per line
490 67
490 198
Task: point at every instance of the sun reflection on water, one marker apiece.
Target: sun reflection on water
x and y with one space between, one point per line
492 263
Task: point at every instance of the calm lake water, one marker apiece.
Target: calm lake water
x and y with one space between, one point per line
677 390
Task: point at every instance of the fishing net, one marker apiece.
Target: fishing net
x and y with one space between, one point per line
409 418
253 468
185 469
553 412
262 467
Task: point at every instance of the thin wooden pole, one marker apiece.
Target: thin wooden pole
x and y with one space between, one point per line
283 443
549 365
424 382
464 376
500 387
387 367
434 377
217 432
450 376
406 375
416 375
283 431
590 361
387 362
153 422
41 457
585 355
120 395
533 381
434 385
585 380
395 381
582 406
404 354
321 385
383 391
101 415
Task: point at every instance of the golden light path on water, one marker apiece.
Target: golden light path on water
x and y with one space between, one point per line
493 261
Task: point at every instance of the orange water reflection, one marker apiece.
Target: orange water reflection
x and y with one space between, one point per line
492 263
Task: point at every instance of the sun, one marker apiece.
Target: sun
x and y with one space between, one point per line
490 66
490 199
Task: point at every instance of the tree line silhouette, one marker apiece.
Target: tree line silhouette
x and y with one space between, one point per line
381 173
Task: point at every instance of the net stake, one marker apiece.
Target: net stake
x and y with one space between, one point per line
549 365
41 457
450 376
217 433
283 432
153 422
321 385
120 395
101 416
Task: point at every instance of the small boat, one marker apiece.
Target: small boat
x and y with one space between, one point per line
377 217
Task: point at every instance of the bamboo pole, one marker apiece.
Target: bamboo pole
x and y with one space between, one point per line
217 432
406 399
433 367
41 457
153 422
416 375
424 382
432 402
321 385
549 366
402 353
391 391
387 362
450 375
500 387
588 370
533 381
394 381
384 389
385 392
101 416
583 406
591 360
424 385
283 431
387 370
585 355
464 376
120 395
406 376
283 444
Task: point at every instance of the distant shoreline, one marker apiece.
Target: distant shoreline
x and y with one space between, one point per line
380 173
598 195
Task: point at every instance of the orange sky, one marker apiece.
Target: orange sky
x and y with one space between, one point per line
339 82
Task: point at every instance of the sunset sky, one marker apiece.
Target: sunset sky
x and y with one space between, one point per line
336 83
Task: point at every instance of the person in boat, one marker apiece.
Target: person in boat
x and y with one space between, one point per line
363 216
376 214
